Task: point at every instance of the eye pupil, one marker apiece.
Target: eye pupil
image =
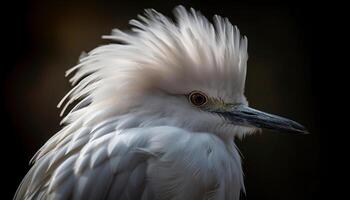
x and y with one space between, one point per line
197 98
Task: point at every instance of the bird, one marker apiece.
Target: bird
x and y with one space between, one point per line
154 115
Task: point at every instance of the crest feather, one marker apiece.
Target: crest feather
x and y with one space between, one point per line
190 50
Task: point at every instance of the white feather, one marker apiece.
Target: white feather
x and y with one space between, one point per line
132 133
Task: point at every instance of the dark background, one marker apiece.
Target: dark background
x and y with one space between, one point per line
43 39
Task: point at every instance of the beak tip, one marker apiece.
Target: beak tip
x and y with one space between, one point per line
300 129
295 127
304 132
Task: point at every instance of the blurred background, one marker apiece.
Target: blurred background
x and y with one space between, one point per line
45 38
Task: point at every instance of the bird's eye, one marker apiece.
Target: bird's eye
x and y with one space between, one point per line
197 98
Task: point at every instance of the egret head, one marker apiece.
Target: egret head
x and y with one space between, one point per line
188 73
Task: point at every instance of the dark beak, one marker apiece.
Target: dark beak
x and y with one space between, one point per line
246 116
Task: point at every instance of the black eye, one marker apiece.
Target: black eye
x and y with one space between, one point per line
197 98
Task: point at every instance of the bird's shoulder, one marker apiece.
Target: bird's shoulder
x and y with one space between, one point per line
90 163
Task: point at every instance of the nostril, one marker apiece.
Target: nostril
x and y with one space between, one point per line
209 150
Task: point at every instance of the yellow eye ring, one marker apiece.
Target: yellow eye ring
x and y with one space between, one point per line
197 98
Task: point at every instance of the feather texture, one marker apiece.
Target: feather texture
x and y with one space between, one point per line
175 164
126 137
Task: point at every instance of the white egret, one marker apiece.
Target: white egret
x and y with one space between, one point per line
155 116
